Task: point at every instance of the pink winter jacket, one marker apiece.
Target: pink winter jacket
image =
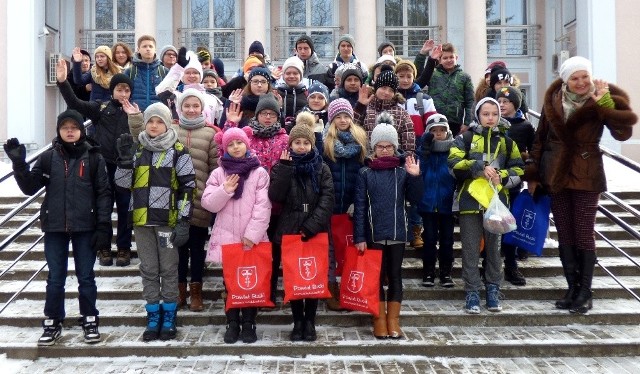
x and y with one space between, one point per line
268 150
247 217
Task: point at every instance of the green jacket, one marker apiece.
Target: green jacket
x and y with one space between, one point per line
452 94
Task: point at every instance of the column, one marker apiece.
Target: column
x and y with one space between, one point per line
475 39
365 31
255 25
145 19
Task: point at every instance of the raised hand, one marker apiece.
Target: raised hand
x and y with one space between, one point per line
436 52
236 96
233 113
61 70
231 183
411 166
427 46
182 57
276 94
602 87
364 95
130 108
16 152
285 155
77 55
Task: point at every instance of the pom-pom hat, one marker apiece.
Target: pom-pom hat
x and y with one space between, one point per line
384 131
338 106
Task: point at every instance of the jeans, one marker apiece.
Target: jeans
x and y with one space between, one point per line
194 250
414 220
438 228
56 251
121 198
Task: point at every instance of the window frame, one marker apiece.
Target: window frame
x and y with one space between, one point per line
92 37
513 40
213 34
404 48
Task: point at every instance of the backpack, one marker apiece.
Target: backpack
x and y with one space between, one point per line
133 72
45 163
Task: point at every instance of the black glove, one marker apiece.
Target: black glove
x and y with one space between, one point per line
182 57
180 234
427 144
126 151
101 238
16 152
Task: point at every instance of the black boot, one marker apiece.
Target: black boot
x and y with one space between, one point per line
233 326
570 265
297 310
582 303
249 325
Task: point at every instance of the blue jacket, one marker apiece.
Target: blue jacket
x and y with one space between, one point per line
379 209
344 172
145 76
439 183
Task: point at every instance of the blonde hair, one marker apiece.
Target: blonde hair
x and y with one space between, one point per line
358 133
103 76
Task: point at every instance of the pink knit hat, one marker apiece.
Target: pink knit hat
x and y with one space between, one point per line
224 138
338 106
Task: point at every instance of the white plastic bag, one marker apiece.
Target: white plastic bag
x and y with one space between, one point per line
497 218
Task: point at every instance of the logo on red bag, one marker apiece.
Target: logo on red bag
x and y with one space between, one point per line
356 280
308 268
527 220
247 277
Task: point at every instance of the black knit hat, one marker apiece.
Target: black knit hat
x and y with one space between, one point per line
74 116
386 78
305 39
499 73
209 73
512 94
120 78
256 46
349 72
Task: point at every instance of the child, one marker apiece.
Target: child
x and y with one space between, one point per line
100 74
302 183
435 205
258 83
317 102
292 90
77 207
109 122
350 87
483 154
146 71
345 148
379 217
238 192
345 55
337 79
210 83
160 174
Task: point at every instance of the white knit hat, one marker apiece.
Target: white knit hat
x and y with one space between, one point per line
575 63
384 131
436 120
158 110
194 63
293 62
190 92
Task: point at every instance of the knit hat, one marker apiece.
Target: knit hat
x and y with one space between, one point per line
104 49
384 45
231 134
262 71
193 63
338 106
293 62
267 101
302 130
482 101
320 88
349 39
158 110
120 78
203 55
74 116
575 63
306 118
499 74
209 73
187 93
305 39
384 131
493 65
355 71
166 49
344 67
512 94
86 53
387 78
386 58
250 63
406 65
256 46
436 120
219 65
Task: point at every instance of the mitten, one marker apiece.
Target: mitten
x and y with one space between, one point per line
101 238
182 57
427 144
126 151
180 234
16 152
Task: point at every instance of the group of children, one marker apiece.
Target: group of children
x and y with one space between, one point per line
279 164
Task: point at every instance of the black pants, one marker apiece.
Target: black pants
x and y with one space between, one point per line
391 270
194 251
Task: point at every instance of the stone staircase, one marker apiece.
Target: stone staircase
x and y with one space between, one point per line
433 319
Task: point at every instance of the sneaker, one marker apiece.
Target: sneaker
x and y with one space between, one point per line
428 281
52 332
105 257
493 297
90 329
233 332
472 302
514 276
446 281
124 257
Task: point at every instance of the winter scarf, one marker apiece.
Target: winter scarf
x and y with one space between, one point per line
262 131
383 163
161 142
346 146
240 166
442 145
572 102
191 124
307 164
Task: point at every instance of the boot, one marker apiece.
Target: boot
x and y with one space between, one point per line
583 301
182 294
249 325
393 319
297 310
105 257
334 302
417 242
124 257
380 322
169 313
569 260
233 326
154 322
309 332
195 289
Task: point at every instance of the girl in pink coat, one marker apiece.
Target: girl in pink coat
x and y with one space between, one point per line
238 192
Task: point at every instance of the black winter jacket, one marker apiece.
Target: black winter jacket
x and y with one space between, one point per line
344 172
72 202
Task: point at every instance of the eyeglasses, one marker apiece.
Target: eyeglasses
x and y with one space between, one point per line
171 54
268 114
258 82
384 147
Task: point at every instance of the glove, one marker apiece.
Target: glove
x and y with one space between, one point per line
126 151
101 238
16 152
182 57
180 234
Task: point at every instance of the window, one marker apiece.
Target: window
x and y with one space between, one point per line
508 29
316 18
112 21
568 11
406 24
213 24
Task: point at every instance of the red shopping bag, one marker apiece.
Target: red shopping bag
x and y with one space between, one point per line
247 275
305 267
342 235
360 286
